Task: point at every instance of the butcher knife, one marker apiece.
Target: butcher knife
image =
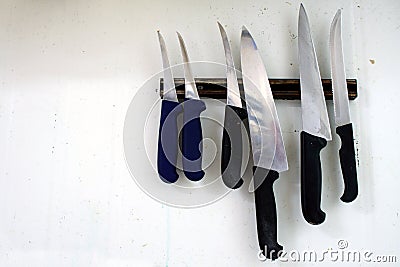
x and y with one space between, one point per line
316 129
269 155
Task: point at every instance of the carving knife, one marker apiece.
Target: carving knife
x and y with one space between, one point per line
267 145
168 131
342 112
316 129
231 158
192 135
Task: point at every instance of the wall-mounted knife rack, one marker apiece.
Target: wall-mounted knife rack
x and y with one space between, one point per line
288 89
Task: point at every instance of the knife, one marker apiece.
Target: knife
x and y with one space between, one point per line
316 129
342 112
231 158
267 145
168 130
192 135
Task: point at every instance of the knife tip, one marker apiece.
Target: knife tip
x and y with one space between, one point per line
160 37
338 13
179 36
303 18
302 9
221 28
245 31
336 22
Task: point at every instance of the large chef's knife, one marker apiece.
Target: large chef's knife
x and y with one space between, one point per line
168 131
342 113
192 135
316 128
267 145
231 158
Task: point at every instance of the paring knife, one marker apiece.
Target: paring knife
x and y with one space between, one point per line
342 112
267 145
231 158
168 131
316 128
192 135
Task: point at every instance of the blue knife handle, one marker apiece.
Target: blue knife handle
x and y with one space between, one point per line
266 211
311 177
348 162
191 139
168 141
231 157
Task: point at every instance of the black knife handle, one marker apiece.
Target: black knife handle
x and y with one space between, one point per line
168 141
348 162
231 158
311 177
192 137
266 212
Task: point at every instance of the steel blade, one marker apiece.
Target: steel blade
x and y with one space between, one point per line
313 106
265 132
232 86
190 85
339 85
169 92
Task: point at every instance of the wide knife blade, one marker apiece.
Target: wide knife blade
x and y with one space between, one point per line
192 136
313 106
269 154
316 128
264 125
342 112
168 130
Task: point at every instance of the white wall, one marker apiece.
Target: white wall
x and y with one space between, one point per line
68 71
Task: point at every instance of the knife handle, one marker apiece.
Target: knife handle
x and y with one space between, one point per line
266 212
192 137
168 141
311 177
348 162
231 158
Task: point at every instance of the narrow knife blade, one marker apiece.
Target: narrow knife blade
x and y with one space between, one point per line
190 85
313 106
233 93
235 114
265 131
339 86
169 92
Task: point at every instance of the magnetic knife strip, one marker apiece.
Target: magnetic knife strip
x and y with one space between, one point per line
287 89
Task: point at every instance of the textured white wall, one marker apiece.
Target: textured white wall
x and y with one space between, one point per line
68 71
